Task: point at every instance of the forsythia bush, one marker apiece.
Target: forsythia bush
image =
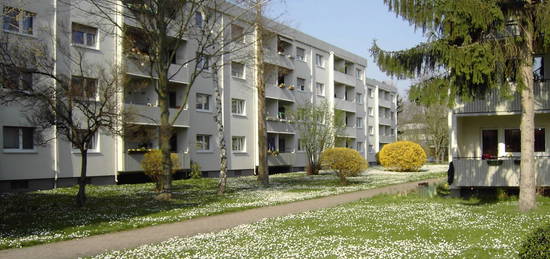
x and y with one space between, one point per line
152 165
346 162
404 156
537 244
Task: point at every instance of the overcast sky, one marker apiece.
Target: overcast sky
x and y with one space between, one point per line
351 25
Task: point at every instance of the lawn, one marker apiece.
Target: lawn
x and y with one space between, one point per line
410 226
49 216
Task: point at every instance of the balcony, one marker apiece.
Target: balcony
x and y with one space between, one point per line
349 132
344 105
344 78
282 92
494 103
385 121
132 161
282 159
279 126
134 66
278 59
144 114
505 173
387 139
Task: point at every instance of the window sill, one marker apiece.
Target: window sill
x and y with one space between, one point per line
321 96
20 151
301 60
204 111
205 152
240 153
243 116
320 67
81 46
21 34
238 78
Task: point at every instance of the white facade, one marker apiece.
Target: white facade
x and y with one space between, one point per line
300 68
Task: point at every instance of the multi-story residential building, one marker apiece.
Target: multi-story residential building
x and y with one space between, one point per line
299 69
485 137
382 116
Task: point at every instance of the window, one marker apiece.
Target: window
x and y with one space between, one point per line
538 68
301 145
300 54
489 143
359 74
18 138
17 20
382 130
237 144
359 123
392 115
512 140
203 143
371 111
199 19
371 149
360 147
92 142
17 80
83 88
203 102
319 60
359 98
237 33
392 130
281 113
174 143
84 35
371 130
371 93
301 84
320 89
203 61
237 70
237 106
172 100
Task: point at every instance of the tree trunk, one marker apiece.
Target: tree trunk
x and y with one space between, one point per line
527 184
81 196
221 135
263 174
312 168
165 134
343 179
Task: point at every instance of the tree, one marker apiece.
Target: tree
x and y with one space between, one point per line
77 104
318 126
475 46
163 27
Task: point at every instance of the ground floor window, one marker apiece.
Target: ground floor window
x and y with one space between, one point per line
489 143
512 140
18 138
237 143
203 142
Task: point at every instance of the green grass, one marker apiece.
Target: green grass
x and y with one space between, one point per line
410 226
50 216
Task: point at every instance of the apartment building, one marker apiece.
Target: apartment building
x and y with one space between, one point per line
382 116
299 69
485 137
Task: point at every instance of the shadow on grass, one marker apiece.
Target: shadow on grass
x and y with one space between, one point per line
39 213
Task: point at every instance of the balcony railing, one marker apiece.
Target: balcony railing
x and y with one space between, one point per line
494 173
494 102
151 115
132 161
281 159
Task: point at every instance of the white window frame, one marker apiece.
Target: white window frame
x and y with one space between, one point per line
20 20
359 74
359 98
371 130
360 147
241 141
320 89
20 148
240 103
371 149
301 146
208 102
320 60
371 93
300 86
371 111
237 38
84 82
202 142
299 57
95 141
234 72
95 45
359 122
203 62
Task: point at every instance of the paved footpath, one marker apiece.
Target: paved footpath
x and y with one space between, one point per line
133 238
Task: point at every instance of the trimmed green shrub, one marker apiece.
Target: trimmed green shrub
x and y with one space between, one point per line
345 161
403 156
152 165
537 245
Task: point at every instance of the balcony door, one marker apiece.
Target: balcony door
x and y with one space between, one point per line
489 143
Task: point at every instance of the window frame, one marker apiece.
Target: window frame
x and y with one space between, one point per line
240 103
322 87
95 140
242 144
85 81
301 57
319 60
208 102
237 38
243 73
205 141
298 79
20 140
359 125
85 36
20 21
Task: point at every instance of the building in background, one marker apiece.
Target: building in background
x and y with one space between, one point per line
299 69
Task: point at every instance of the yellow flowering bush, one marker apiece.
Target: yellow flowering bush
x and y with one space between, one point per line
152 164
403 156
345 161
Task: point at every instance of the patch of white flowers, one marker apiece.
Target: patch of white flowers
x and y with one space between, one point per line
283 188
409 227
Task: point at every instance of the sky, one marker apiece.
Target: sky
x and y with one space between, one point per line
351 25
